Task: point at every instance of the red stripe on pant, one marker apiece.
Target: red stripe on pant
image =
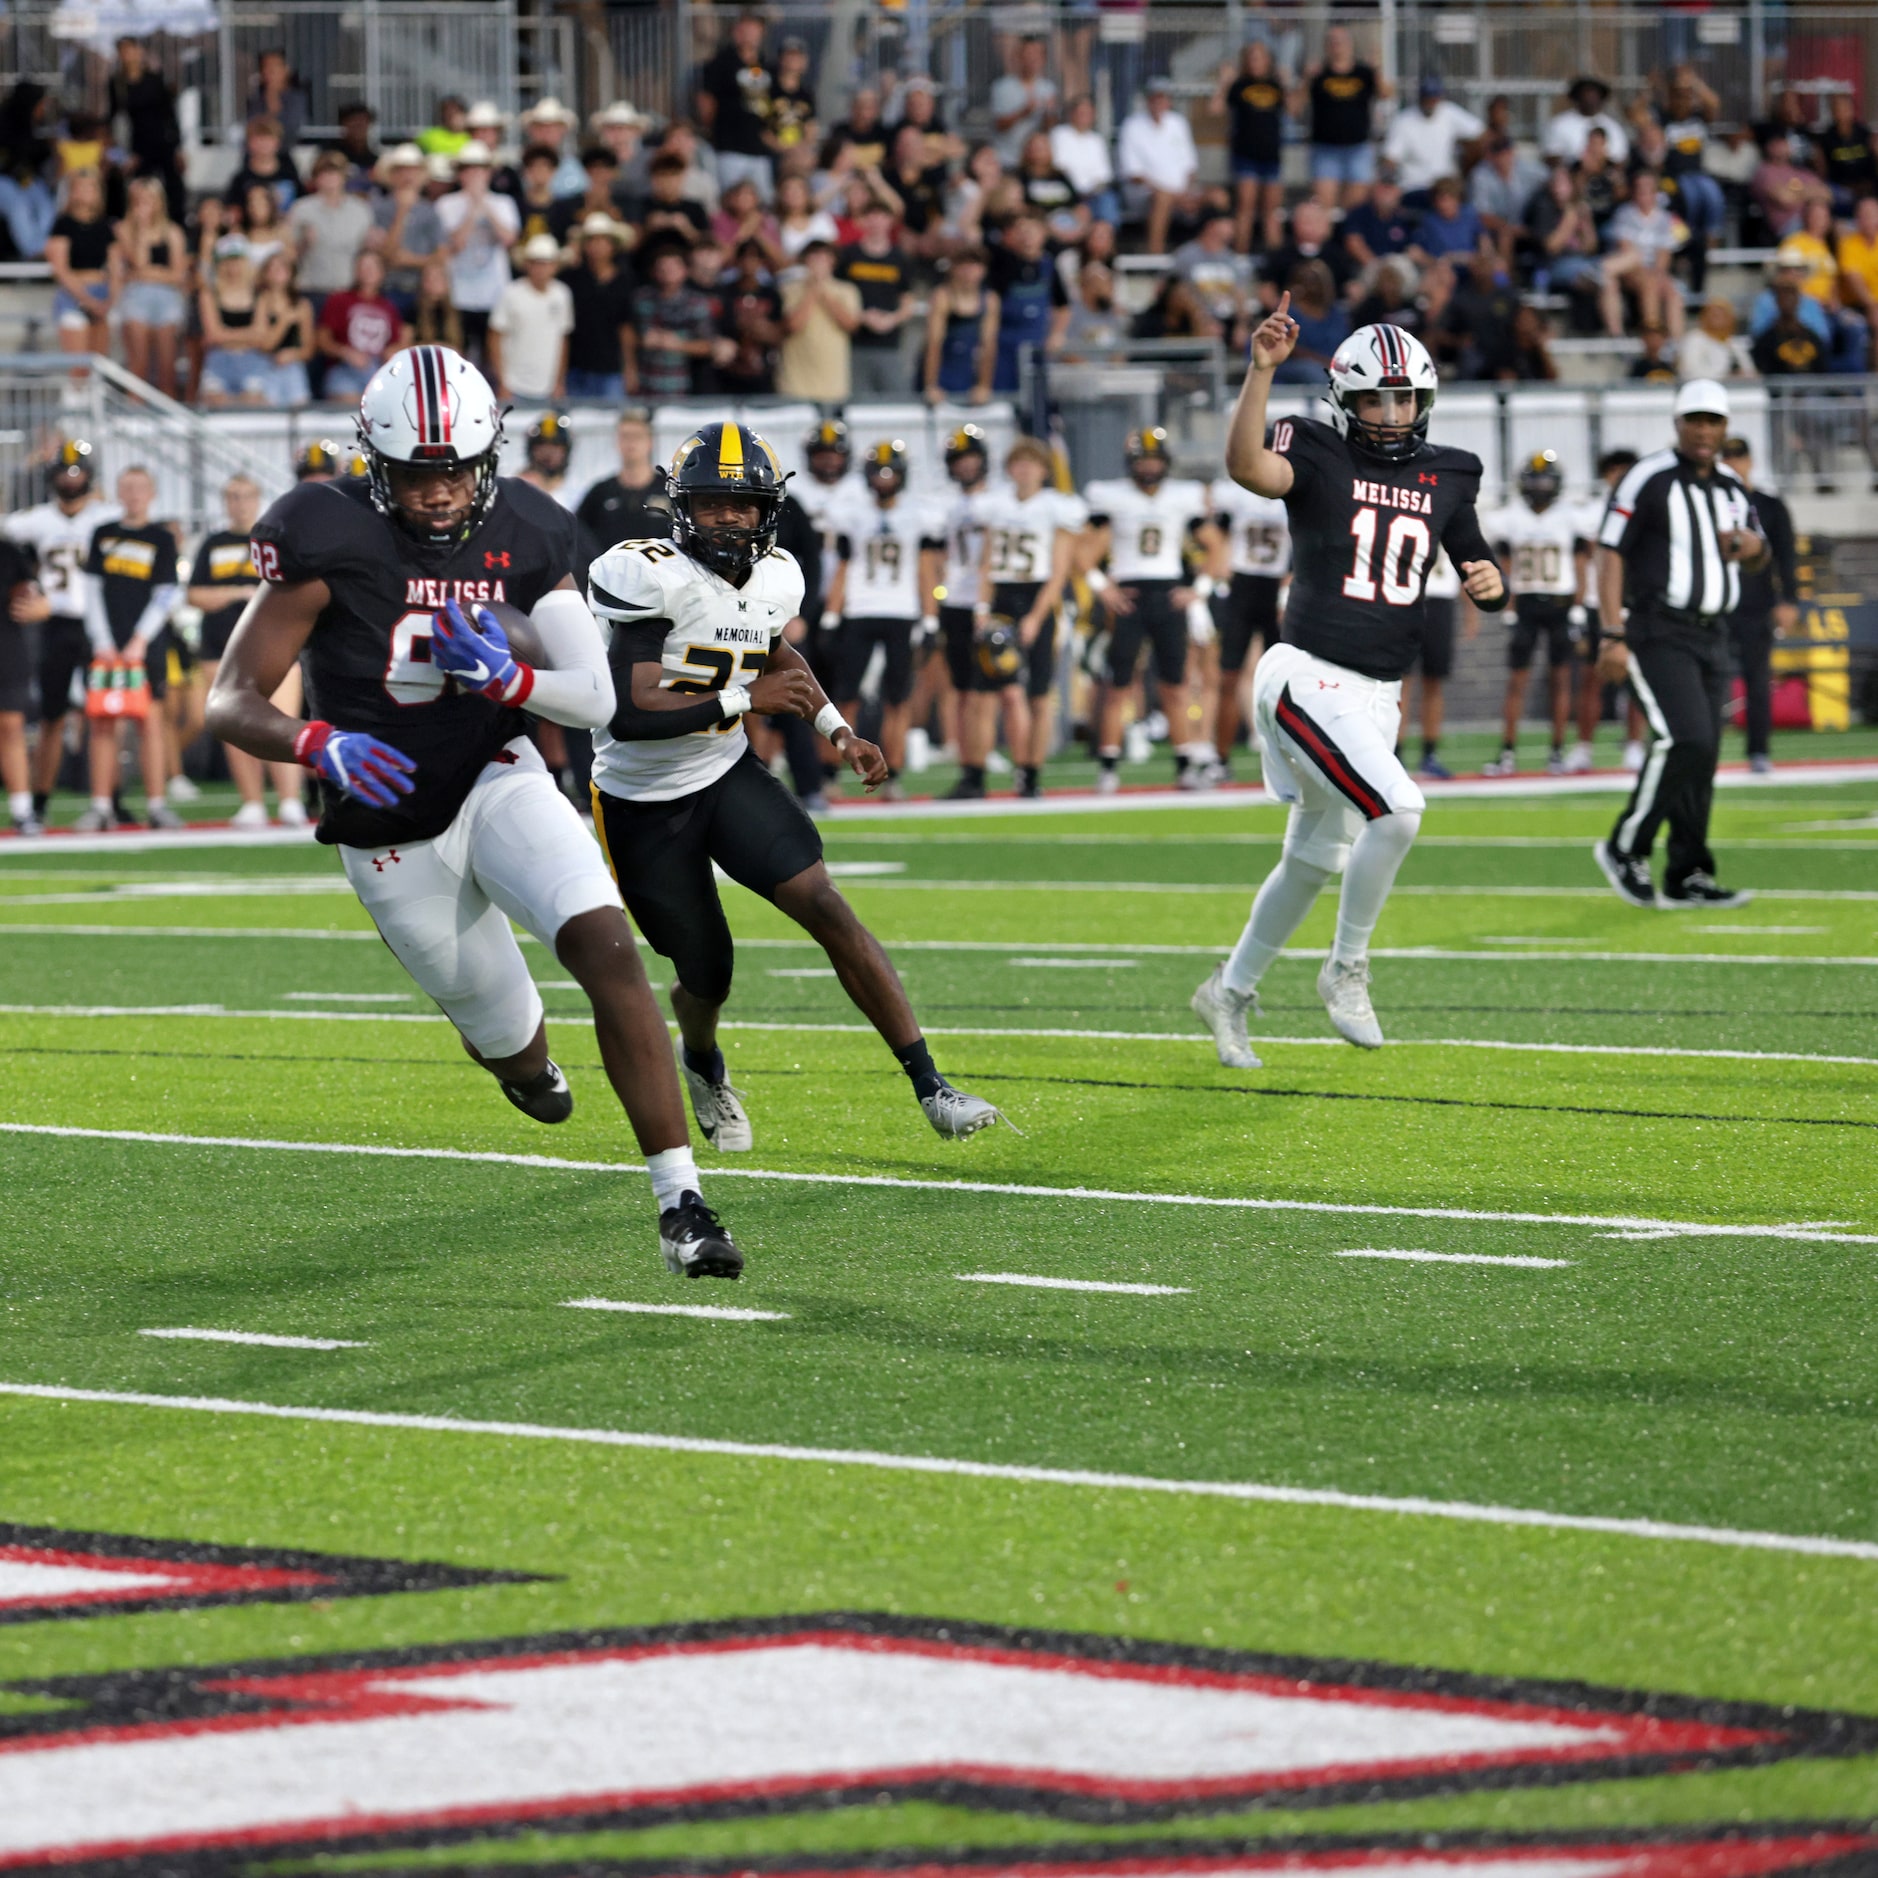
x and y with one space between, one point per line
1325 754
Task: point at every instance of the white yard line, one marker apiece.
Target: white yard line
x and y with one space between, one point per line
1072 1284
1812 1231
349 997
1447 1258
1073 965
1804 1544
728 1313
1041 1033
189 1334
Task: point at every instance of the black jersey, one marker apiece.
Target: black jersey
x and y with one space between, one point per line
225 559
131 564
1364 534
368 665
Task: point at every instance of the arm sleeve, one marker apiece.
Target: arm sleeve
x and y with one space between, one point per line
1465 542
1780 540
97 623
157 610
574 685
644 644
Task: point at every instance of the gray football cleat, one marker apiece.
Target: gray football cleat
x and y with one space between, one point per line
1223 1011
955 1114
719 1109
1344 988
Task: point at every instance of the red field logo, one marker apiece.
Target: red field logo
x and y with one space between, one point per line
571 1732
46 1572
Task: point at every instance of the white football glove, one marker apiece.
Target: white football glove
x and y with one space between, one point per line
1200 627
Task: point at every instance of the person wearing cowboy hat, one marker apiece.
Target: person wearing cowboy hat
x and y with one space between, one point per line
602 292
530 327
548 123
406 230
1584 111
479 228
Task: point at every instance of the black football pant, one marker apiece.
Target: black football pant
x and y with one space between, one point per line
1753 635
1682 685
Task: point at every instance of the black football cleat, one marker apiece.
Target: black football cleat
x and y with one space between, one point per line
1629 877
695 1243
1702 890
545 1099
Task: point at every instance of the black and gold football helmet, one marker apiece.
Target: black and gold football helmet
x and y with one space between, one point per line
73 469
725 460
884 460
828 450
962 446
1148 456
1540 480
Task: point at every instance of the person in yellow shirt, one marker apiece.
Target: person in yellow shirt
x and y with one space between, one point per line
1858 267
1810 247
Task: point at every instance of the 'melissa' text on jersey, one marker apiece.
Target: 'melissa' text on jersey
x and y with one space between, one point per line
434 593
1388 496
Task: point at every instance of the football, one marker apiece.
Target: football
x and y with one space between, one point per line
524 640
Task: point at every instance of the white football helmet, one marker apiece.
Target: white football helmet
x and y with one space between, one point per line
431 407
1382 358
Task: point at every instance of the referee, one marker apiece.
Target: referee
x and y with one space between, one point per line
1676 537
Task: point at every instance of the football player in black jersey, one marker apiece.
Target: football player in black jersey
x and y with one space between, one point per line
446 819
1371 501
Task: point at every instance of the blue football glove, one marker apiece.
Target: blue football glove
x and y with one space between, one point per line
355 763
477 655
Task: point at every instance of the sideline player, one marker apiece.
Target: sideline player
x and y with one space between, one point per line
1030 542
1141 525
887 549
1550 562
1258 529
697 642
1370 499
59 533
974 694
447 821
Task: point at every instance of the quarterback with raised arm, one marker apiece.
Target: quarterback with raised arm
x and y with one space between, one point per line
1371 502
446 819
696 627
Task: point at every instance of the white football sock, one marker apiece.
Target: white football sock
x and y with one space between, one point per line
1375 857
674 1173
1277 912
19 803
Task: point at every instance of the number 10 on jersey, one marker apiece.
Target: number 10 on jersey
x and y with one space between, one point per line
1405 554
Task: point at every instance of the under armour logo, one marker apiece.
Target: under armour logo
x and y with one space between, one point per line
493 557
1421 476
379 860
1323 684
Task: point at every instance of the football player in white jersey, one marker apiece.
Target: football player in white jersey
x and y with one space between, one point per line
1141 525
697 641
1258 531
59 533
887 555
1030 542
1548 562
968 464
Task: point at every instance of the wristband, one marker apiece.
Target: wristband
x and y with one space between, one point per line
1205 587
830 621
929 624
310 742
1096 580
733 701
981 609
830 722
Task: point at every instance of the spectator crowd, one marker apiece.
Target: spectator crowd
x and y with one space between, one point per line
749 247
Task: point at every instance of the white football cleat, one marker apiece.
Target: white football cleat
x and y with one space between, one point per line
1107 782
293 812
1344 988
1505 764
249 815
719 1109
1633 756
955 1114
1579 761
1223 1011
181 789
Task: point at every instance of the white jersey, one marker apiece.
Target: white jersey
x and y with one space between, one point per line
1542 546
1147 529
1259 528
819 502
1443 582
881 547
1021 536
716 635
965 541
61 542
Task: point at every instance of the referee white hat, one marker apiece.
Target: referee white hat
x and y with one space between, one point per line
1706 397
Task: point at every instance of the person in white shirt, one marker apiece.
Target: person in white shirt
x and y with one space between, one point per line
1643 237
1712 348
1023 100
1081 152
1157 162
1565 135
479 229
1427 143
528 330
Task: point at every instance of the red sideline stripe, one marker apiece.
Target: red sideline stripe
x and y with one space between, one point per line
1329 758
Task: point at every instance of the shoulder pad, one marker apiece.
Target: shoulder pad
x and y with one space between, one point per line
634 580
314 528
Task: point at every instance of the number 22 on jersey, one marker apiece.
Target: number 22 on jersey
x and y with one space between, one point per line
1405 554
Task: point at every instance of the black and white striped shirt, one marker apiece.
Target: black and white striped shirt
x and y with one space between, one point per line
1667 519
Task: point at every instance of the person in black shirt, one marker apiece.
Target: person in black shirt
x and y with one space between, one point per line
882 274
1650 367
602 291
921 187
142 94
1850 157
733 106
1476 327
1769 607
752 320
1677 539
630 505
263 166
1311 240
791 119
1252 98
130 589
672 218
1343 92
1789 347
16 686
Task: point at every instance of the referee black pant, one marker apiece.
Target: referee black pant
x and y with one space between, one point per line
1682 685
1753 635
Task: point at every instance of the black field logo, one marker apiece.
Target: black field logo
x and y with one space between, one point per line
46 1572
632 1727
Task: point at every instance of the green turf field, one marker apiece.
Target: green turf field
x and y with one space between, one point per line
1640 1456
